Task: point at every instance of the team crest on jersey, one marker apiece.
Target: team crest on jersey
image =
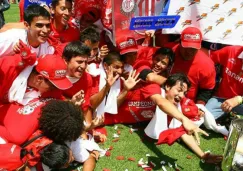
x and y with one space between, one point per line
147 113
128 7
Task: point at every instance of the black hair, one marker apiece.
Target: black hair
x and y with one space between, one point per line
177 77
75 48
61 121
54 3
35 10
55 155
111 57
166 52
91 34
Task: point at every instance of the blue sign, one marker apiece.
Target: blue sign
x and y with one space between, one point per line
153 22
28 2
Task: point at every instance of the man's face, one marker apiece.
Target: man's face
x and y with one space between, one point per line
38 30
160 63
130 58
44 85
85 21
62 12
176 93
117 67
94 48
188 53
76 66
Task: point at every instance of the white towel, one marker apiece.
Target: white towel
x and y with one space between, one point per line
81 148
109 103
19 86
159 121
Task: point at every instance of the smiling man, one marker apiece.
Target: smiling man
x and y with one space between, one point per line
37 23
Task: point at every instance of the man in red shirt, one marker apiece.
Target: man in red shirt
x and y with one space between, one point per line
29 89
199 68
62 27
228 96
76 57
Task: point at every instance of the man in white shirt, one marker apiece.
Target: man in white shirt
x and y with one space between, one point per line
37 23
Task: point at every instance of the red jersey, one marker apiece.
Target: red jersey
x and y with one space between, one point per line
232 74
10 68
200 71
19 122
85 84
71 33
137 106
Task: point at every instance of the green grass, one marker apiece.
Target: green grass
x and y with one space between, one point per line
130 145
12 15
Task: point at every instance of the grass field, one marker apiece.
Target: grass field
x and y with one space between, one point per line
137 146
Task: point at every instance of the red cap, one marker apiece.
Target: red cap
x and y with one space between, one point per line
54 69
189 108
191 37
127 45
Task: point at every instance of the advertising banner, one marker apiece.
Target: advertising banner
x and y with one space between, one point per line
220 21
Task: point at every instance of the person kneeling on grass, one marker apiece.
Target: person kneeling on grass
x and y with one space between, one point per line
174 90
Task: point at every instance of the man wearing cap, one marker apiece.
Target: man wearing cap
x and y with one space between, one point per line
199 68
28 90
132 53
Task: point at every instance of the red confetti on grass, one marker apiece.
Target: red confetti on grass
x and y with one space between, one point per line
106 169
110 148
177 169
131 159
130 131
151 164
147 168
120 157
188 157
108 153
225 138
115 140
118 132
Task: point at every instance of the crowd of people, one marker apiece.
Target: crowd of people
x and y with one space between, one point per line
62 81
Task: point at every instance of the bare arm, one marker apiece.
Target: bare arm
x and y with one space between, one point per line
89 164
172 111
154 78
8 26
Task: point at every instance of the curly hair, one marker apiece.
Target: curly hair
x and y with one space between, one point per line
61 121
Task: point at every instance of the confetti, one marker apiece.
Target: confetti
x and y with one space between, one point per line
106 169
147 155
108 153
162 162
115 140
147 168
118 132
163 167
131 159
152 164
115 136
120 157
110 148
115 127
188 157
170 165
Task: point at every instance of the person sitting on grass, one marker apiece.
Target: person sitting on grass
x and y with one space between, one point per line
174 91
